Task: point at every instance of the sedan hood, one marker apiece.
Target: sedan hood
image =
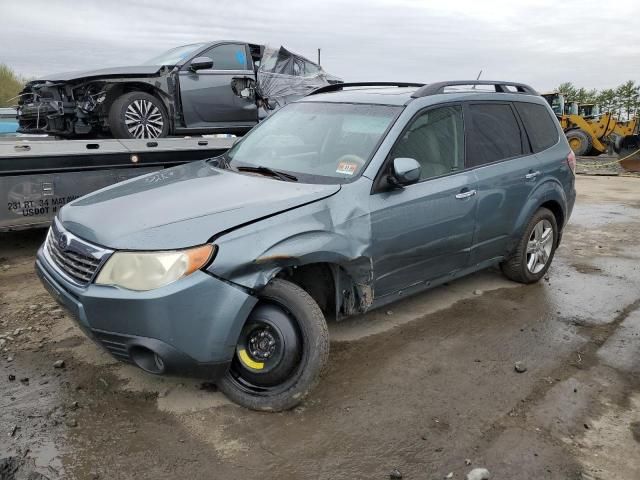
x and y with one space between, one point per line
182 206
136 71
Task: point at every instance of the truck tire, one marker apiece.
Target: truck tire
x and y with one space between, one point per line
539 241
138 115
282 351
579 141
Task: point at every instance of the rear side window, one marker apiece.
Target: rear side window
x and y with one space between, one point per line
539 124
228 57
493 134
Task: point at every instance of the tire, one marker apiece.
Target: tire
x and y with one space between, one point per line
579 141
518 266
278 379
138 115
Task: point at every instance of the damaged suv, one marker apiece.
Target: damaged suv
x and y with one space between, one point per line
214 87
344 201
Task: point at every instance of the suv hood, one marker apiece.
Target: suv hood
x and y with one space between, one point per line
182 206
136 71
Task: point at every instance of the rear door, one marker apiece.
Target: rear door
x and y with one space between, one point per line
506 170
207 97
424 231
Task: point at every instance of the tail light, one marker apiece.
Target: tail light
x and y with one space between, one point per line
571 160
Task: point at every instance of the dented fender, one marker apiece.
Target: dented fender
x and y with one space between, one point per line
334 231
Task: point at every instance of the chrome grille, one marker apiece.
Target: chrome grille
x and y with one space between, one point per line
76 259
77 266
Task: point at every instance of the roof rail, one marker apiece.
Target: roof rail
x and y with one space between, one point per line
500 87
339 86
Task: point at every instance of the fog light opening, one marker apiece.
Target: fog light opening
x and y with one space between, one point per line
147 360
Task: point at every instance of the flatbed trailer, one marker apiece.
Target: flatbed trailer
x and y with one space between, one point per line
38 176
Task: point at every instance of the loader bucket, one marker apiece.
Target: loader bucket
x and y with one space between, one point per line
629 152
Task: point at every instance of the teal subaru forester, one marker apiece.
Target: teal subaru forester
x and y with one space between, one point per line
350 198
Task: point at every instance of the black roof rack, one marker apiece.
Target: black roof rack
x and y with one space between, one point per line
339 86
500 87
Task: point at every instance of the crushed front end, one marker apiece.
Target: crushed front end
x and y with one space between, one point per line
61 108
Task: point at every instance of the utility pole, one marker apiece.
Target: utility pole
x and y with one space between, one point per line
318 56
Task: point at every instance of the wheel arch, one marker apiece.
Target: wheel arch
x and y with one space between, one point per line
340 289
116 90
550 195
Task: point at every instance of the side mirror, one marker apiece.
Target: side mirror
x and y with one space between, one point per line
200 63
405 171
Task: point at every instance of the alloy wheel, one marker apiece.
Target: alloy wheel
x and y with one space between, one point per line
143 119
539 246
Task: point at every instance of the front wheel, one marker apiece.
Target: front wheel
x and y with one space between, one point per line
535 250
138 115
579 141
282 350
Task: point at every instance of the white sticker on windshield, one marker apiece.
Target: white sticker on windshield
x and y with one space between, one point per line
347 168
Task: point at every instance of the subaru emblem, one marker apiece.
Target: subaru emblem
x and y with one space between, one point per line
63 242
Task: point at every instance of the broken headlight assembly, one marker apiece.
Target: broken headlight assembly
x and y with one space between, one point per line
142 271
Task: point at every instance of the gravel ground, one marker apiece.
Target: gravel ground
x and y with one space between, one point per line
539 381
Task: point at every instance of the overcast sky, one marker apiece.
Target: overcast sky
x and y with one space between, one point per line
544 42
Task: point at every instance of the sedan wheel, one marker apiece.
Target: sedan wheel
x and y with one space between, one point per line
143 119
539 246
138 115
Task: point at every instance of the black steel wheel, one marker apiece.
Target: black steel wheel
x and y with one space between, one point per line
282 350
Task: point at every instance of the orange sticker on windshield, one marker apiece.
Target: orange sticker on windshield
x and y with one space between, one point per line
347 168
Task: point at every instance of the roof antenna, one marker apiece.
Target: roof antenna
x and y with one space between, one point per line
477 78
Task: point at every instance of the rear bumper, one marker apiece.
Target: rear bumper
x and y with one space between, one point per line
192 325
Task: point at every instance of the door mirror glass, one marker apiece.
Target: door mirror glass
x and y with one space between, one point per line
201 63
406 170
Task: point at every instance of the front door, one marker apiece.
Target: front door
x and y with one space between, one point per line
208 101
424 231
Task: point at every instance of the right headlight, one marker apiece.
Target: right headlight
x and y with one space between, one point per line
149 270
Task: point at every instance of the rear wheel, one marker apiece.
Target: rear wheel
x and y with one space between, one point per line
534 253
282 350
138 115
579 141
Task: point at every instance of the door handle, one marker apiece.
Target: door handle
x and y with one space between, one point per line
465 194
532 175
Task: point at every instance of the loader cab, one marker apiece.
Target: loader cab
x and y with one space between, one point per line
556 101
589 110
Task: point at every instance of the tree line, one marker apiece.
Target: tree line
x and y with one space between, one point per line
10 86
624 100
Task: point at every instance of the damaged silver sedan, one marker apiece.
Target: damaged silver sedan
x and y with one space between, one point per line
202 88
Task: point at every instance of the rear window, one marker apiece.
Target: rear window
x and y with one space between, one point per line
539 124
493 134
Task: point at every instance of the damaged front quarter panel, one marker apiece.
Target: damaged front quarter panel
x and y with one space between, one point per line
323 233
79 105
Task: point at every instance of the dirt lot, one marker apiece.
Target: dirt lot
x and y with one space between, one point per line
426 386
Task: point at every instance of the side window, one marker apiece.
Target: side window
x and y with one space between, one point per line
228 57
493 134
539 124
436 140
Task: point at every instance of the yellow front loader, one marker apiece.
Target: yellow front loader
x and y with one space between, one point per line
589 132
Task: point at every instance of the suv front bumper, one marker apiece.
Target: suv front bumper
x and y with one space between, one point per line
189 327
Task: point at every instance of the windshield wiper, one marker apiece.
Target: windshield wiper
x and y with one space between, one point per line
287 177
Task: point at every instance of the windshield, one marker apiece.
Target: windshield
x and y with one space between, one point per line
320 142
175 55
